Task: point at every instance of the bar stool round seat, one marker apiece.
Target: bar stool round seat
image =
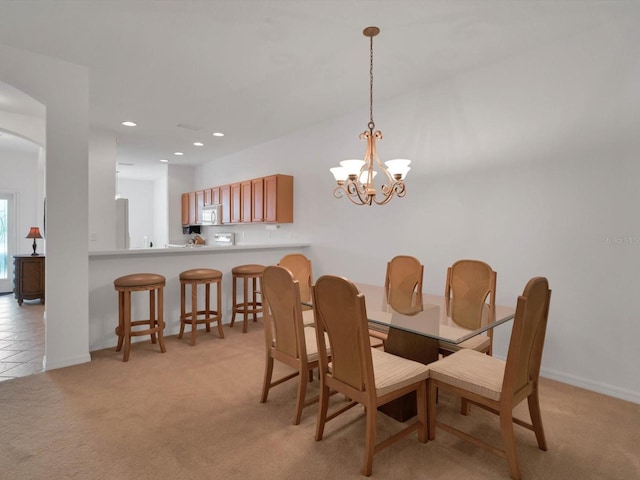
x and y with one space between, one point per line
250 304
195 317
154 325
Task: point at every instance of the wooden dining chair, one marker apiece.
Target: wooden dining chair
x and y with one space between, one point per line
498 385
402 283
365 375
286 338
300 267
468 287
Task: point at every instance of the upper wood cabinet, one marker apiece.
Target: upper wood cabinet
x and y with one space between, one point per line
236 205
212 196
185 209
278 199
246 204
257 197
215 195
192 209
225 200
260 200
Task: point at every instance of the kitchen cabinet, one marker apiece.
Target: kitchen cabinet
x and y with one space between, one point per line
246 204
225 200
278 199
257 198
190 213
185 209
28 277
215 195
212 196
260 200
236 214
192 208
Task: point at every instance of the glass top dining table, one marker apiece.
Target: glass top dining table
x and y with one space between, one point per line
432 316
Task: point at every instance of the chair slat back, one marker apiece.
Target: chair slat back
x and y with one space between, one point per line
403 279
527 337
468 284
340 312
283 318
300 267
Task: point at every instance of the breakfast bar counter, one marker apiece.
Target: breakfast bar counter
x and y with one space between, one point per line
106 266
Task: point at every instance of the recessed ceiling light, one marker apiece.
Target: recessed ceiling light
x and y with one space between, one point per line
218 134
198 144
129 124
164 160
178 153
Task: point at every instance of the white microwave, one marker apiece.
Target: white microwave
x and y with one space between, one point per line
211 215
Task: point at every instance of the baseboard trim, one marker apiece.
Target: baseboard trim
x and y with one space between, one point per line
599 387
68 362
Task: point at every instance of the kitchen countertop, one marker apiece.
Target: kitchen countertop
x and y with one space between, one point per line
194 249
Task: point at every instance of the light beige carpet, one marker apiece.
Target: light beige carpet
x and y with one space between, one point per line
194 413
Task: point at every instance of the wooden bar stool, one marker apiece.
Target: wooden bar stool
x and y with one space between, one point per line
140 282
195 277
248 306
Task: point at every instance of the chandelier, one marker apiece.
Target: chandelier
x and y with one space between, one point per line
355 178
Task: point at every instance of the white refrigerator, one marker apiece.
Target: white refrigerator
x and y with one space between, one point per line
122 224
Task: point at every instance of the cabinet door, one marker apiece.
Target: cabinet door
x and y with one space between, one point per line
207 196
225 200
199 205
215 195
185 209
246 204
192 208
278 198
236 205
257 194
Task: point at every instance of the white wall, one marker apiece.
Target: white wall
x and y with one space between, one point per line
141 210
64 92
180 180
160 211
102 180
529 164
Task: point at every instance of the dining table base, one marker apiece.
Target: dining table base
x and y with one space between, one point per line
414 347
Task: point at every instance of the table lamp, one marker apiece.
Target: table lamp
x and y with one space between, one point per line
34 232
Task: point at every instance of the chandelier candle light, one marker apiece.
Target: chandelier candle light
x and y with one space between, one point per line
356 177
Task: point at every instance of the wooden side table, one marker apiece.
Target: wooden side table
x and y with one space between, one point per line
28 277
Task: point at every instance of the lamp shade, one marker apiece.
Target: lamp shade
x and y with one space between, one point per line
352 166
34 232
339 173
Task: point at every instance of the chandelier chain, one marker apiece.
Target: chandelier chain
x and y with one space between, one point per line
371 124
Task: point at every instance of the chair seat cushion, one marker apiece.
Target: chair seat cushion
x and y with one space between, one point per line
479 343
249 269
139 280
201 274
392 372
472 371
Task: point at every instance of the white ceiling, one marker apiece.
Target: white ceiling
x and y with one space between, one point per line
257 70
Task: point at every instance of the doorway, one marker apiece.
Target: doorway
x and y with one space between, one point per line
7 234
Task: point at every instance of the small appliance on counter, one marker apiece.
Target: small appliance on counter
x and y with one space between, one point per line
223 239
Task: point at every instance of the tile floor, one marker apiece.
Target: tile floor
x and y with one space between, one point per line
21 337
